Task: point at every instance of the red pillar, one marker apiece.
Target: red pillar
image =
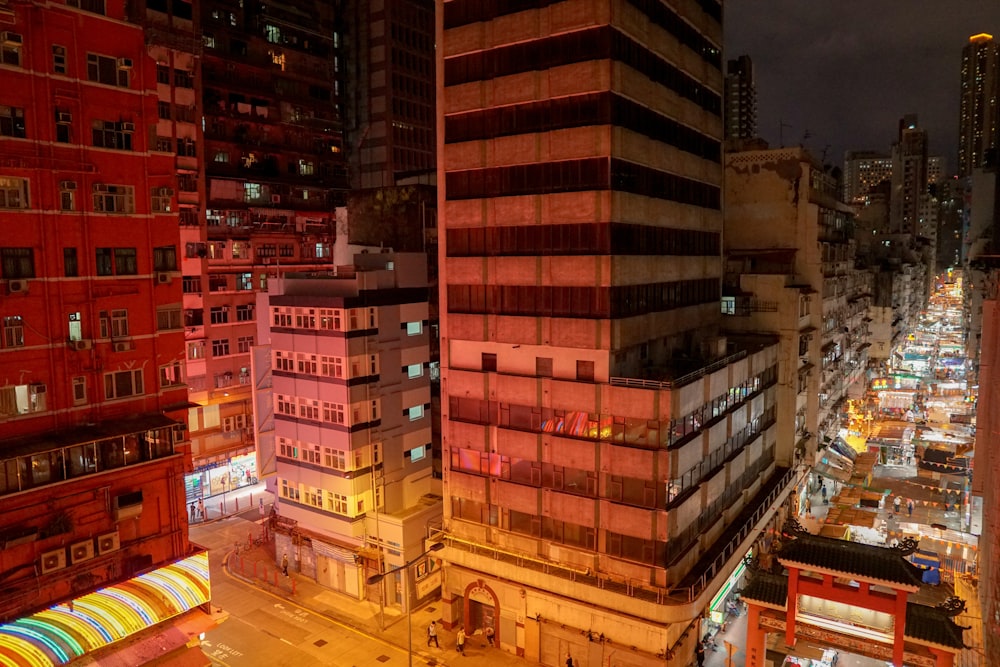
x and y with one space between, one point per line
898 626
792 605
756 638
943 658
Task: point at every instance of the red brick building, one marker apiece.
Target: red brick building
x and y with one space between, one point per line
91 337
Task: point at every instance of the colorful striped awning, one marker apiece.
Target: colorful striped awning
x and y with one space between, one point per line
67 631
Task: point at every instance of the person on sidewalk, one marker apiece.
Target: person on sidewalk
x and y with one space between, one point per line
699 654
809 508
489 634
569 660
909 507
460 640
192 512
284 564
432 635
896 503
201 509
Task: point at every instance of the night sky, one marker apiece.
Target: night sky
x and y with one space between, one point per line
845 71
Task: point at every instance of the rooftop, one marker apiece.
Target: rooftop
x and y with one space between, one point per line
870 562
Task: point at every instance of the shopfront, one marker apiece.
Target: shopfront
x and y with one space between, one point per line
728 593
216 477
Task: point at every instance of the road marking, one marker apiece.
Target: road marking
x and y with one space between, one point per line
286 641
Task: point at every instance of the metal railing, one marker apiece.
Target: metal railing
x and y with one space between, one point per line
680 381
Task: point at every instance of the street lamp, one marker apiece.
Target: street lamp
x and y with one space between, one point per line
405 567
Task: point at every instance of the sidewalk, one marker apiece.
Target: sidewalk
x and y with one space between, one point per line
256 566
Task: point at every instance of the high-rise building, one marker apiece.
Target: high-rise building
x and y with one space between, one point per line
740 99
347 352
274 171
863 171
609 456
979 113
388 96
92 344
909 177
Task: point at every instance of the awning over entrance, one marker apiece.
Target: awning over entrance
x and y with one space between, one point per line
67 631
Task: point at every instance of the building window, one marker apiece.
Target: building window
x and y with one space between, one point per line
17 263
71 267
12 122
196 350
122 384
64 125
164 144
414 328
336 502
244 281
243 344
161 198
114 198
417 453
22 399
221 156
585 371
67 195
13 331
79 390
220 347
93 6
333 413
170 375
126 263
13 192
114 323
489 362
183 79
111 134
244 312
107 70
10 49
169 318
543 367
219 314
104 265
192 284
162 74
414 370
252 191
165 258
414 413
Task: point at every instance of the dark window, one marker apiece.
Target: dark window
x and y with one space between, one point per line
70 266
104 267
125 262
162 74
12 122
489 362
17 263
109 134
543 367
165 258
94 6
585 371
106 70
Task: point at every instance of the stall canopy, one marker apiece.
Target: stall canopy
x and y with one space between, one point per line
930 563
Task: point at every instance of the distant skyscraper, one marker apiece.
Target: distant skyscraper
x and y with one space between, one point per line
741 99
979 120
863 170
909 176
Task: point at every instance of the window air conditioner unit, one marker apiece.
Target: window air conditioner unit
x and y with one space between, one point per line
17 286
81 551
163 278
51 561
124 63
80 344
128 127
11 38
123 346
67 185
64 117
108 543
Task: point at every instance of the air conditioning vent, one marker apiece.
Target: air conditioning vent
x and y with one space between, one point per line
108 543
81 551
79 344
17 286
51 561
128 127
64 117
163 278
67 185
123 346
124 63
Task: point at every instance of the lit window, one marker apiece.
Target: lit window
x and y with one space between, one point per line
414 370
416 412
414 328
417 453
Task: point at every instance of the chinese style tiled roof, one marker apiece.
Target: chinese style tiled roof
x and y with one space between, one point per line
932 625
862 560
767 588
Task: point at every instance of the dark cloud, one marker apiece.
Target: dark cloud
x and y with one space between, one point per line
845 71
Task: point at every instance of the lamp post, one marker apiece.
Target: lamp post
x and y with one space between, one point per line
405 567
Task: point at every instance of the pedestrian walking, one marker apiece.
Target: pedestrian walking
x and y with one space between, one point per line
460 641
699 654
432 635
896 503
284 563
822 492
260 509
909 507
489 634
192 512
201 509
569 660
809 508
